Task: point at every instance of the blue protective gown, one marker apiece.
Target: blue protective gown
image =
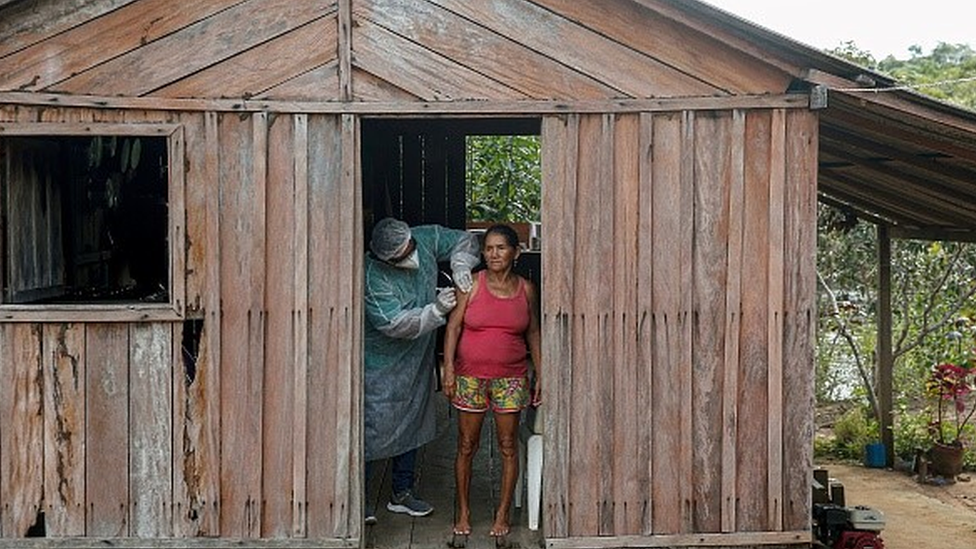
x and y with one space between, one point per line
399 339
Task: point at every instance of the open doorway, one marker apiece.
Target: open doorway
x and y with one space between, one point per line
464 174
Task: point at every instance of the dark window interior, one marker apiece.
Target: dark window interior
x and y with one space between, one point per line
85 219
414 169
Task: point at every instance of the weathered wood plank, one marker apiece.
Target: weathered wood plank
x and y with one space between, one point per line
62 55
197 404
253 72
586 494
664 203
344 48
369 87
712 140
107 457
779 540
240 373
285 103
686 320
318 84
150 429
625 69
176 543
798 332
300 336
523 71
279 376
646 336
775 305
22 435
752 438
25 23
733 321
195 205
194 47
195 461
176 194
324 165
348 489
560 144
629 457
64 429
694 53
432 78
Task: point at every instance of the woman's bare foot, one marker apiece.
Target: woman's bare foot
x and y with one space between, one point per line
499 529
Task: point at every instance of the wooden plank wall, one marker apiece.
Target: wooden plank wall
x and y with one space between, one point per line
678 323
240 422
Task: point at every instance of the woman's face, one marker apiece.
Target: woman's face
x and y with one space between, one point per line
499 255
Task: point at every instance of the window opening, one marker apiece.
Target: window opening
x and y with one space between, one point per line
85 219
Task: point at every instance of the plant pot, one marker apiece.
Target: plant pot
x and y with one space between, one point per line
946 459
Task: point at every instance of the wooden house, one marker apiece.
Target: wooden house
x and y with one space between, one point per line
186 191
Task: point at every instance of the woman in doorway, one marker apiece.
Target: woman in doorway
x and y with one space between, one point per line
485 368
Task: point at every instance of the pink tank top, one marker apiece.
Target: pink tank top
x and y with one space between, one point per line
492 342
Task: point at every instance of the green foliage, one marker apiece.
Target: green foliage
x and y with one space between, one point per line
852 431
946 73
911 432
504 178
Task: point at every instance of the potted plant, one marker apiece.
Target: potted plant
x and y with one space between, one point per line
952 387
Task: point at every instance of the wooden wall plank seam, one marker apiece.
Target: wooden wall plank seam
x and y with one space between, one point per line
775 275
560 149
301 324
211 428
733 309
685 319
257 319
279 300
799 331
645 283
628 455
752 435
664 298
346 489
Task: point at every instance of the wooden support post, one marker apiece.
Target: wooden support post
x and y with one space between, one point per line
885 358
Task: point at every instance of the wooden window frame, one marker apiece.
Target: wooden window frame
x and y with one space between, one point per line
172 310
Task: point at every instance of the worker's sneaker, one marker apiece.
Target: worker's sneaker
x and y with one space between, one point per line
370 514
404 502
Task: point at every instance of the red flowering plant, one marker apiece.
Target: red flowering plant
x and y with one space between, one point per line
954 388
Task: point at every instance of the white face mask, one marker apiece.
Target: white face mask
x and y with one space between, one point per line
412 261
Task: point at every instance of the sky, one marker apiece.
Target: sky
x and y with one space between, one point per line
873 25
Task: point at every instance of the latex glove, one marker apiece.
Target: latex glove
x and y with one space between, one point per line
462 279
446 300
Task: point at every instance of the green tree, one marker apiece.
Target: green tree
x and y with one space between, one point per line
932 282
504 178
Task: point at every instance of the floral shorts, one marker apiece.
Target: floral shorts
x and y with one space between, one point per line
504 394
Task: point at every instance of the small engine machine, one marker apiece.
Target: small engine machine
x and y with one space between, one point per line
838 526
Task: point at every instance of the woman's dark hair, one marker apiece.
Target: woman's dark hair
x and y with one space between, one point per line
508 233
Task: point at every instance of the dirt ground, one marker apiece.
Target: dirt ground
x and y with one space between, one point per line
917 515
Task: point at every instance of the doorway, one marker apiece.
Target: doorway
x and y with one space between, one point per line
423 171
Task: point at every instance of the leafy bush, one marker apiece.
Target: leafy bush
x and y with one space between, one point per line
911 432
852 431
